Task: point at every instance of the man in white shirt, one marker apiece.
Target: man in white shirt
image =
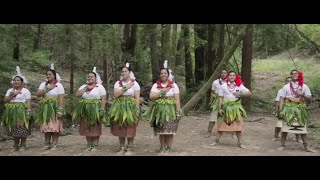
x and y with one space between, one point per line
293 101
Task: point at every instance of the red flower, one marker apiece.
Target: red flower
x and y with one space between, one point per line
169 85
300 78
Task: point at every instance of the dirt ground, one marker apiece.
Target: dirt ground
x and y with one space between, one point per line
189 141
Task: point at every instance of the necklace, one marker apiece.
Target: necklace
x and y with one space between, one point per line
293 90
231 89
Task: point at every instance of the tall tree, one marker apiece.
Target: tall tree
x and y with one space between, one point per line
16 41
37 38
166 45
129 41
180 53
90 38
247 62
174 45
188 60
70 54
153 52
199 95
200 51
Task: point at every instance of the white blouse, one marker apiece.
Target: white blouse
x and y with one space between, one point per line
129 92
54 92
25 95
173 90
95 93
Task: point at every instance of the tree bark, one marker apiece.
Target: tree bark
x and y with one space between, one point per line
200 52
188 60
195 99
179 53
246 63
90 40
16 42
174 45
166 45
211 55
153 52
131 45
70 54
37 39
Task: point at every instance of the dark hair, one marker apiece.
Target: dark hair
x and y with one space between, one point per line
53 72
232 72
293 70
165 69
95 75
287 78
18 77
223 70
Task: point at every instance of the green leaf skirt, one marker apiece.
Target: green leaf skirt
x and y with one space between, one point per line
123 111
48 109
295 113
163 110
233 111
14 112
214 104
89 110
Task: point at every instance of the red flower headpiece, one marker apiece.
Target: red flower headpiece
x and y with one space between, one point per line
300 78
169 85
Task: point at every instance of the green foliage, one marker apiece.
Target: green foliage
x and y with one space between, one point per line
270 39
40 58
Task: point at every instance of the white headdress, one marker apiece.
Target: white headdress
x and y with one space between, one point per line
98 79
57 75
170 75
18 73
165 65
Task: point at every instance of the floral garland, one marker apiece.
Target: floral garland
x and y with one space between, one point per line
169 85
121 82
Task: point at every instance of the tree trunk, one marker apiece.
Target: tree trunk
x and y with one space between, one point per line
37 39
70 54
200 52
166 45
174 45
131 46
105 66
246 63
90 41
211 56
188 60
221 42
199 95
180 54
51 46
153 52
16 42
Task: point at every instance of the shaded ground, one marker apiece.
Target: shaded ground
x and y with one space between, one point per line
189 141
